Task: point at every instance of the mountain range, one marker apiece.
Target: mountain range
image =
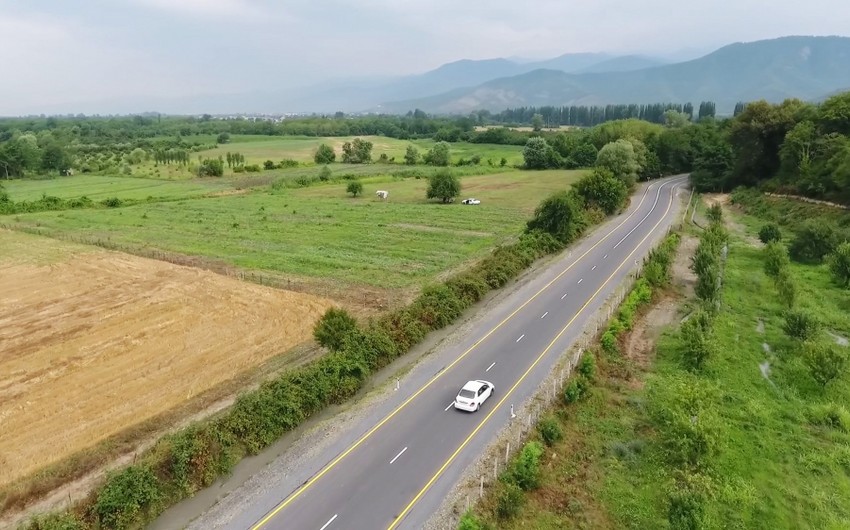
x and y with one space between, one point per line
800 67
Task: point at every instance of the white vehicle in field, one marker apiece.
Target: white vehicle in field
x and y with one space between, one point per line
471 201
473 395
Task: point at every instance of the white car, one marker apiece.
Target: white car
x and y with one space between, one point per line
473 395
471 201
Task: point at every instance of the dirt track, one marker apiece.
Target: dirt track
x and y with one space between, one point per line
92 342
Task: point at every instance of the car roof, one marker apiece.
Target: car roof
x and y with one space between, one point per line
472 385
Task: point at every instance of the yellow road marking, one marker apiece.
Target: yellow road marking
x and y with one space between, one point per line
448 462
387 418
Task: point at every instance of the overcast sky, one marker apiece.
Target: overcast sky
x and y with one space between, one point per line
66 55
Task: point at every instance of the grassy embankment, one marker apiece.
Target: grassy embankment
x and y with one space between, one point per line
779 453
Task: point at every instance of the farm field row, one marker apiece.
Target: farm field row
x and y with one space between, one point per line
320 232
98 187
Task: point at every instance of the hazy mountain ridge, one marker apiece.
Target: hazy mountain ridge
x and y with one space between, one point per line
802 67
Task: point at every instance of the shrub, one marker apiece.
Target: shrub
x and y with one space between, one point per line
680 408
715 213
55 521
325 174
411 155
469 287
331 329
609 342
687 499
775 258
252 168
698 337
578 388
550 430
525 469
355 188
324 154
211 167
770 233
112 202
813 241
825 362
801 325
469 522
603 189
510 500
439 155
587 366
787 288
288 163
839 264
126 496
269 164
403 328
560 215
437 306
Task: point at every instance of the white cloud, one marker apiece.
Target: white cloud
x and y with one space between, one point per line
231 9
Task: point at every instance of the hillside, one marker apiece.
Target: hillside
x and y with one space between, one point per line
801 67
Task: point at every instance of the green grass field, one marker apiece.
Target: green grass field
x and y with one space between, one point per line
302 148
98 187
775 467
319 231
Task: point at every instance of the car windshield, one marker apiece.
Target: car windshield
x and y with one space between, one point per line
468 394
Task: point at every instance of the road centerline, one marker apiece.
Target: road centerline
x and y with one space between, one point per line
491 366
329 522
544 314
520 337
401 453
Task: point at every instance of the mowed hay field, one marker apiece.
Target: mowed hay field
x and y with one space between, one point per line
92 342
302 149
319 232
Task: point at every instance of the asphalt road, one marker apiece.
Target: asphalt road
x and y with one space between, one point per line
401 466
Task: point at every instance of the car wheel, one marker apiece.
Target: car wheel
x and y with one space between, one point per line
477 407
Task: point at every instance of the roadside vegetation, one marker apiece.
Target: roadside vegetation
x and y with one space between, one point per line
739 420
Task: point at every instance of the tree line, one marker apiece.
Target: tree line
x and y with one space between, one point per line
588 116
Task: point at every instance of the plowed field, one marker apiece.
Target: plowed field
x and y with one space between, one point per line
92 342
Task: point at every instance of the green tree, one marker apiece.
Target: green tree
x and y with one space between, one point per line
526 468
324 154
137 156
585 155
211 167
675 119
332 329
839 264
775 259
825 362
834 114
355 188
770 233
537 122
786 287
325 174
814 240
443 185
620 159
538 154
411 156
55 157
357 151
801 325
439 155
600 188
223 138
560 215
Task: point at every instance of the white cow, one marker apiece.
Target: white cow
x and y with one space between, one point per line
382 194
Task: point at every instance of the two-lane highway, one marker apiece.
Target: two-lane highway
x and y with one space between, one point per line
399 470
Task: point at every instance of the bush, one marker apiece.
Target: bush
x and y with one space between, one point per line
355 188
770 233
775 259
126 497
469 522
269 164
587 366
439 155
112 202
814 241
469 288
801 325
437 306
787 288
560 215
211 167
525 470
331 329
825 362
603 189
839 264
550 430
55 521
252 168
324 154
698 338
609 342
325 174
578 388
510 500
687 499
715 214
